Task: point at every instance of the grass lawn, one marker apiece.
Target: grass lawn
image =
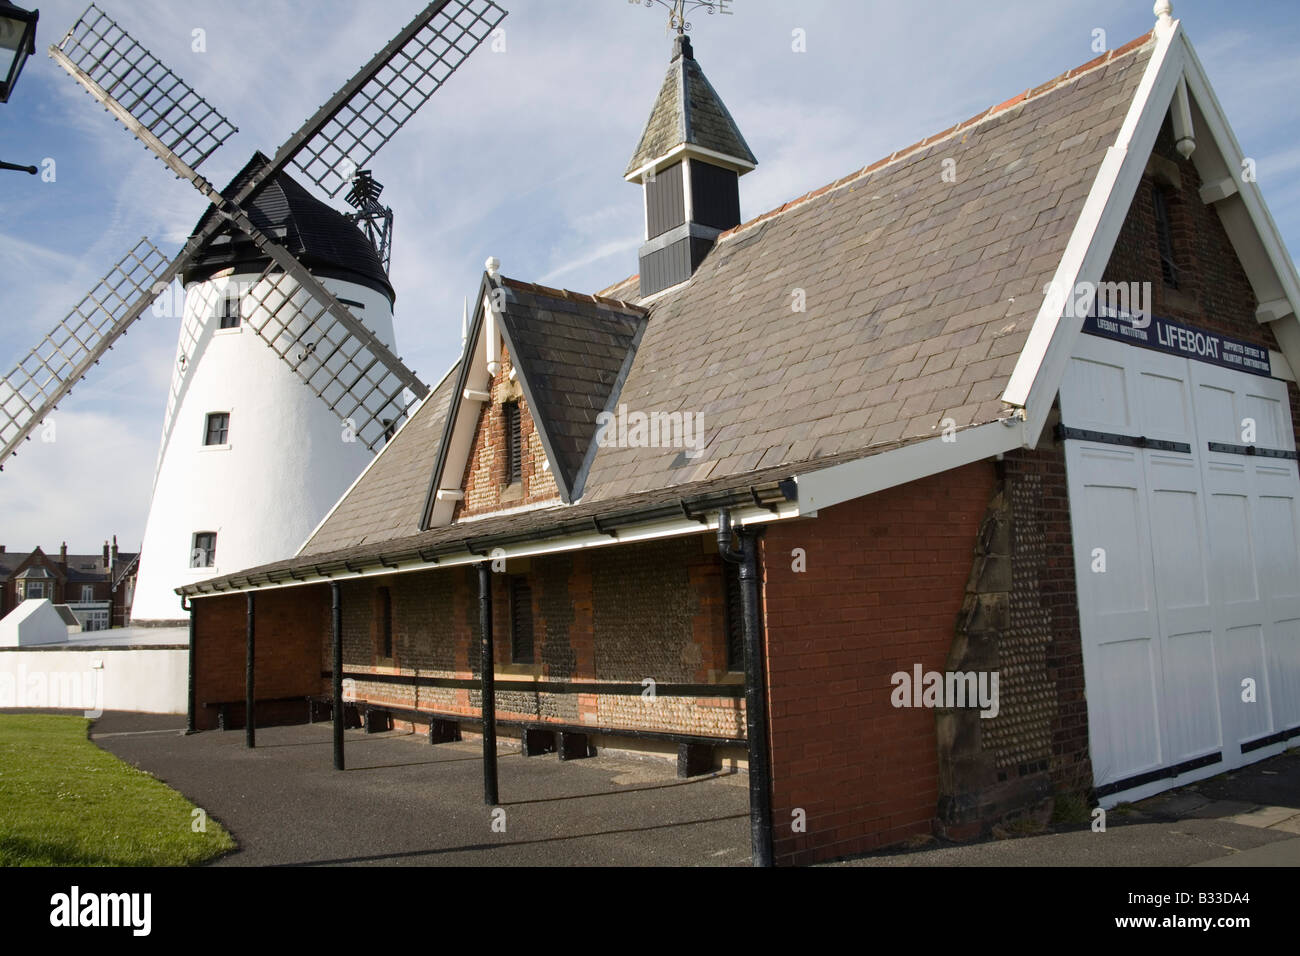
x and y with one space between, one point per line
65 802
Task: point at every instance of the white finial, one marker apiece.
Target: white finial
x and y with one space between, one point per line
1164 11
493 266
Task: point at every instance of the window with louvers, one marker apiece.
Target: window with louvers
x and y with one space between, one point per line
514 443
521 622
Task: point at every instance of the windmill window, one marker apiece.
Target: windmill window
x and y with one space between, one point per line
229 312
218 429
514 443
1165 237
521 622
203 551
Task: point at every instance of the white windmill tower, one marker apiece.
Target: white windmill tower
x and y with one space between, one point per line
283 291
250 461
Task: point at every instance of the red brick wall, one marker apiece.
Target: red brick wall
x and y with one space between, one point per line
883 586
287 659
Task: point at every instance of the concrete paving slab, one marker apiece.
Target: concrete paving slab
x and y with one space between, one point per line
1281 853
1251 814
1289 825
1137 844
1264 816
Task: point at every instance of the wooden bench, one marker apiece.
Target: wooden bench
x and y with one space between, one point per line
695 754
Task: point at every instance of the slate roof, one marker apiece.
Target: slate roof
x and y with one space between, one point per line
318 235
387 499
688 110
920 294
571 351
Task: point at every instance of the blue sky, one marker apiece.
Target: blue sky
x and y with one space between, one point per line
520 156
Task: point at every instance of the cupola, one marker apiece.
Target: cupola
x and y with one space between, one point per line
689 162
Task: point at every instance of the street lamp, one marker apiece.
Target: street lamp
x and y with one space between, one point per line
17 43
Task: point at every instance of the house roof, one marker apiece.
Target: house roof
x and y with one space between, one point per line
572 352
688 111
922 283
385 501
318 235
919 292
471 541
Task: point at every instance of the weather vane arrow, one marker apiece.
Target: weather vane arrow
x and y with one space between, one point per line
677 10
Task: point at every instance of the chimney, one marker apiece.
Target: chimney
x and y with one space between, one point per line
114 551
63 554
105 554
689 162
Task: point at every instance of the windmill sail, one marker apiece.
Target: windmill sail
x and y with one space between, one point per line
99 52
336 364
41 380
334 353
347 132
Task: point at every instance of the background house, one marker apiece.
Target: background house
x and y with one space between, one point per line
98 587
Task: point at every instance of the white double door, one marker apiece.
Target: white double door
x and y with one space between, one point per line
1187 562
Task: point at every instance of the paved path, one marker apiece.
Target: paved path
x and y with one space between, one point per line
402 801
1250 817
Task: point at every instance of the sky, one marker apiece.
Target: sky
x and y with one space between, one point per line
519 156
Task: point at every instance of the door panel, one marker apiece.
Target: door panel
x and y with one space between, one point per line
1202 587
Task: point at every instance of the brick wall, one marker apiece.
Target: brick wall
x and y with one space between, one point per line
484 482
620 614
882 591
287 660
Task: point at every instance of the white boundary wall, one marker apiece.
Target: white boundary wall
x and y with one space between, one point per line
152 680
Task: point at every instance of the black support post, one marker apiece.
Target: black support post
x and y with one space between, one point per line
191 715
337 709
760 789
489 699
250 719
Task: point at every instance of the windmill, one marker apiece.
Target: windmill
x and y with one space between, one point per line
288 306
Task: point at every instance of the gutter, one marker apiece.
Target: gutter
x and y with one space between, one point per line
771 501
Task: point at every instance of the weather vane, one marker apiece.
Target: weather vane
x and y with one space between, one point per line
677 10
